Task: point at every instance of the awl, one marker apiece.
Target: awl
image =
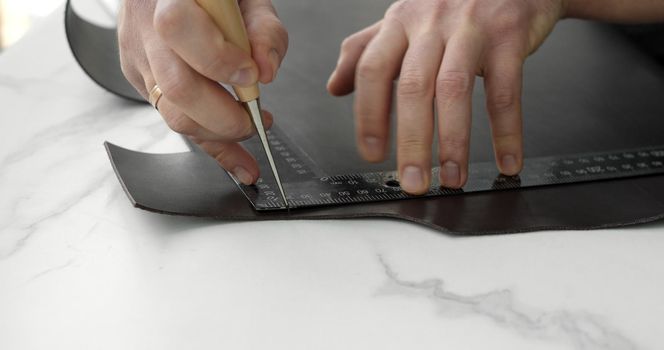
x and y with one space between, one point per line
228 17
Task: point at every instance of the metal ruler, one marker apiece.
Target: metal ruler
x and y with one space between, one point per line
306 186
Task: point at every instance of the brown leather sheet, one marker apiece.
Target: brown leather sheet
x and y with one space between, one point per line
588 89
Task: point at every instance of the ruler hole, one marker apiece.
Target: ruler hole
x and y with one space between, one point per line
392 183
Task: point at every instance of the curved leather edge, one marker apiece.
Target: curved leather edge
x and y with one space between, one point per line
193 184
95 50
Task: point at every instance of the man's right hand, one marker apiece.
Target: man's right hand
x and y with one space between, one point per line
174 44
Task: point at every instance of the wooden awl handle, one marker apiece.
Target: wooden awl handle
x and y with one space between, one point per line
228 17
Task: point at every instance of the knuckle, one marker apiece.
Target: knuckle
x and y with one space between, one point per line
126 68
133 77
168 19
371 69
238 128
507 140
128 46
453 145
372 125
369 117
224 156
265 34
130 63
502 101
371 112
353 42
399 9
508 20
182 124
126 40
281 33
268 30
263 41
414 85
412 11
228 155
453 84
412 147
264 8
364 112
440 8
348 44
179 87
215 66
395 9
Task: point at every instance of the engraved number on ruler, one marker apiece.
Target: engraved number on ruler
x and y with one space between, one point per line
373 187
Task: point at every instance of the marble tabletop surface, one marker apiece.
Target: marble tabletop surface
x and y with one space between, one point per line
80 268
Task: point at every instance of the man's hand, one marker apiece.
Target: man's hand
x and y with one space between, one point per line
175 44
436 48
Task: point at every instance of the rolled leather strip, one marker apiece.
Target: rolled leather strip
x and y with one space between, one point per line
96 50
588 89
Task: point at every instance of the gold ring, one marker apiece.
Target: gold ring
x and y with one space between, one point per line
154 96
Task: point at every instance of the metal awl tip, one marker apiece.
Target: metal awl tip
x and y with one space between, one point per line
254 109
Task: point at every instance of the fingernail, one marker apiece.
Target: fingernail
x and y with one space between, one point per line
450 175
274 60
412 179
243 175
243 77
373 147
509 164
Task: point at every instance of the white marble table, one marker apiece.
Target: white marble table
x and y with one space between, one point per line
81 269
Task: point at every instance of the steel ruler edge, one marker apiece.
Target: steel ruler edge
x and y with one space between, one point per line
306 186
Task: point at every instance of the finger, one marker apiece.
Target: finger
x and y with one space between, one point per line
342 80
454 89
192 34
376 71
181 123
503 83
415 116
203 100
134 77
234 158
268 37
131 53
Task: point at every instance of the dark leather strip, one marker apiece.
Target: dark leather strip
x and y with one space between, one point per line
587 90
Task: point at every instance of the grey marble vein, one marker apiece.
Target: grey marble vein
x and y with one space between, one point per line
579 329
50 271
63 207
60 208
86 123
11 83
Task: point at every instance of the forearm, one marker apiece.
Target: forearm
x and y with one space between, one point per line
620 11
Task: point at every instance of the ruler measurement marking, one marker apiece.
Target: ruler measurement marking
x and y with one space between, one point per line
373 187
